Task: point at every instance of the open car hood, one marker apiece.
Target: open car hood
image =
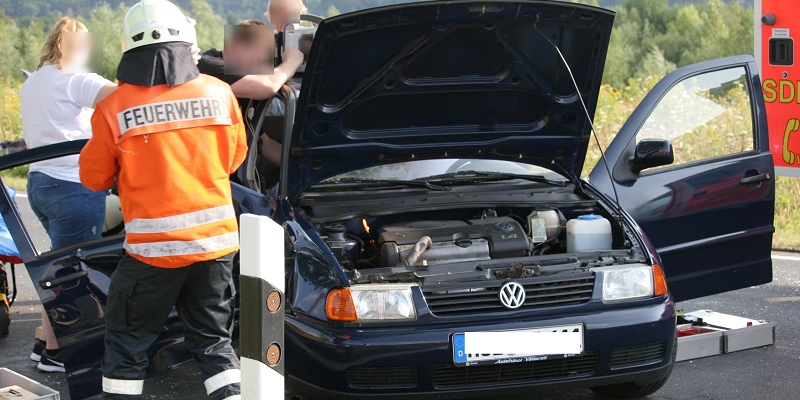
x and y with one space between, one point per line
448 80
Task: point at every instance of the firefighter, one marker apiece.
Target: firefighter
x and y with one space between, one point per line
169 137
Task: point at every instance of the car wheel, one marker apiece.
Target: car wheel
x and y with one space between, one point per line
5 319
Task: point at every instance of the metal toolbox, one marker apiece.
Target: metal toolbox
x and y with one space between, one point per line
11 378
711 333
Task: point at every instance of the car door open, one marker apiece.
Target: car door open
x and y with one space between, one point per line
692 166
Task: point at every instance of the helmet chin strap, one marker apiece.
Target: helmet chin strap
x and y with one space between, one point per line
168 64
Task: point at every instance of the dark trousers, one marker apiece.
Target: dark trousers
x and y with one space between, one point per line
140 299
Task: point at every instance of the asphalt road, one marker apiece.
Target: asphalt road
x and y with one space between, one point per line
771 372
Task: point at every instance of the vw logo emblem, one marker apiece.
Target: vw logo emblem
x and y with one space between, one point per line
512 295
504 226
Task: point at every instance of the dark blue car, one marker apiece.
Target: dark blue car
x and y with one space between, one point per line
440 242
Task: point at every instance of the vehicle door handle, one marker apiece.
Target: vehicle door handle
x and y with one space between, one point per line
749 180
52 283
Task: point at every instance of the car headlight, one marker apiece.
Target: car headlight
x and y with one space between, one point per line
631 282
371 302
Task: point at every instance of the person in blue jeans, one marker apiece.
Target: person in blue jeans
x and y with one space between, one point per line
57 103
69 212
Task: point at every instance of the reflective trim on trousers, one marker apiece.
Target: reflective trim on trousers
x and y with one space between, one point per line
123 386
181 221
222 379
184 248
234 397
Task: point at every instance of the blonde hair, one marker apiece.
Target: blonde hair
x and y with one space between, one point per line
53 50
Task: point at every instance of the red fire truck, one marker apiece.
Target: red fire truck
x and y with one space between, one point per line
776 24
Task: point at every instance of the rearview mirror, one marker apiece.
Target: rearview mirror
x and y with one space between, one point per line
652 153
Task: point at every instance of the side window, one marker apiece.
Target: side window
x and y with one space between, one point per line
705 116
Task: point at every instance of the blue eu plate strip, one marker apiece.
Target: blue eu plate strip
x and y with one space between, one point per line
459 348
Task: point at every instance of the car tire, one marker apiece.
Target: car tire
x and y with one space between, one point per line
5 319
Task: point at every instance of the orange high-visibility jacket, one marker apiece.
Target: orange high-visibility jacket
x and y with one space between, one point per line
172 151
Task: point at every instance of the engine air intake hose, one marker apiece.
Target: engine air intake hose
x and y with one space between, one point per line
422 245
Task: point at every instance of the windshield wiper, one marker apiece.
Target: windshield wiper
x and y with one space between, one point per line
379 183
478 176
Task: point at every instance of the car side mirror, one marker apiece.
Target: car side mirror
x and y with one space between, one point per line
652 153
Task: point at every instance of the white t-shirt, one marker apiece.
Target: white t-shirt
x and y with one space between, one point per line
57 107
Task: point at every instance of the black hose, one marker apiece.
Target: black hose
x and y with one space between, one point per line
356 238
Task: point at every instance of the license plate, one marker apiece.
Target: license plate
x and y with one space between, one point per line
513 346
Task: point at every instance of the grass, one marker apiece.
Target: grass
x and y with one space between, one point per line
11 129
787 213
16 178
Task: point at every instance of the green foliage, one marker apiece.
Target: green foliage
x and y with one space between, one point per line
105 23
210 25
650 37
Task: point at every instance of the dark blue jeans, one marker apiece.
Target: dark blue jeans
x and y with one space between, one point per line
69 212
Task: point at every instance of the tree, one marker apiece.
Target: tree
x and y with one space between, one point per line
106 24
210 25
654 65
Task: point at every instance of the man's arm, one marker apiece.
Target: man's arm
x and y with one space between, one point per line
98 162
259 87
271 150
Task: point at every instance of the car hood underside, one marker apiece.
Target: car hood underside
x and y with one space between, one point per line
449 79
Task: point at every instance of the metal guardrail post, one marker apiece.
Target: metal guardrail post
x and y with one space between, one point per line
261 307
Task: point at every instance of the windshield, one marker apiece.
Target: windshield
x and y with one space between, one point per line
422 169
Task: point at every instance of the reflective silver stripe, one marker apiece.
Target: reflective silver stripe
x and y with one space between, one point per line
234 397
122 386
222 379
182 221
183 248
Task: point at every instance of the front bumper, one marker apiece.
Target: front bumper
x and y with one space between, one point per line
633 344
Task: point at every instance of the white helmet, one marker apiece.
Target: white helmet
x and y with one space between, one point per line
155 21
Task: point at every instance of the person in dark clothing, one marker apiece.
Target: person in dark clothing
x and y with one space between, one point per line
245 58
172 168
247 55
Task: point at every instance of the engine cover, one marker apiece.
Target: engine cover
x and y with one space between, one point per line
453 241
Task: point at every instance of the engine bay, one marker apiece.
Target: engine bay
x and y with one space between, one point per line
467 244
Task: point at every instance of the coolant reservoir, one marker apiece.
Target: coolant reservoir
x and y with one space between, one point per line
544 225
588 233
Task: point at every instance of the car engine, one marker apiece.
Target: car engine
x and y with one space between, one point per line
425 243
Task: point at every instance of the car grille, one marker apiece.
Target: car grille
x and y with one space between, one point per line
480 297
634 356
448 376
382 377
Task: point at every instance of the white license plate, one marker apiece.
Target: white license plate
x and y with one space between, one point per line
513 346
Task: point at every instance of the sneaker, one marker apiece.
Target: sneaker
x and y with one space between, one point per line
51 362
38 348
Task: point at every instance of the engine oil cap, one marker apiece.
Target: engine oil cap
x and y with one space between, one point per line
590 217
